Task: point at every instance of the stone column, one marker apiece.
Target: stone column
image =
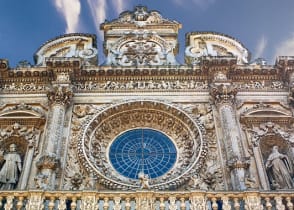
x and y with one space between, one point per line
224 98
59 98
28 161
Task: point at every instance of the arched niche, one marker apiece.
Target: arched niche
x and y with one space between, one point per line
22 125
267 142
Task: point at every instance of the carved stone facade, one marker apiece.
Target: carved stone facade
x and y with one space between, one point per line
228 121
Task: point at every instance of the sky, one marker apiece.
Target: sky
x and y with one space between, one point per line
265 27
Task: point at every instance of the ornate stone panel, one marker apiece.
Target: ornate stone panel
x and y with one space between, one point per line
141 48
100 129
201 44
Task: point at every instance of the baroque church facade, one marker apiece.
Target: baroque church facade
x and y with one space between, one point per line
142 131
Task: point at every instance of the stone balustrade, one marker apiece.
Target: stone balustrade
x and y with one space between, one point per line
146 200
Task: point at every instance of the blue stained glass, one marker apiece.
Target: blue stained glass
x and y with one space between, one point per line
142 150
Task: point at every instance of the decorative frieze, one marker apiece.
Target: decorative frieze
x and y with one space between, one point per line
142 85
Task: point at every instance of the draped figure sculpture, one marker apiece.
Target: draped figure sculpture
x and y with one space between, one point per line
11 168
280 170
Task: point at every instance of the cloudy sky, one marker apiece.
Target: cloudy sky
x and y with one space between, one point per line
265 27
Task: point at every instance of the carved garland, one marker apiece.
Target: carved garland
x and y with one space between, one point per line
271 129
97 135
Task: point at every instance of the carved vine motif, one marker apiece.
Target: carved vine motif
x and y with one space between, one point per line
210 176
24 87
143 85
104 126
75 176
261 85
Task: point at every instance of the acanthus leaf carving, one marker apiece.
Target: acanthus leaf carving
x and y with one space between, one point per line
61 95
223 93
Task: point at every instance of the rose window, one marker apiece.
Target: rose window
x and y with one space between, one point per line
142 150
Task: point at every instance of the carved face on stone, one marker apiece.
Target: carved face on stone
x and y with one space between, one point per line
12 148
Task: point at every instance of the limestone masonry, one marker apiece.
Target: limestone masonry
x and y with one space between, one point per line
143 131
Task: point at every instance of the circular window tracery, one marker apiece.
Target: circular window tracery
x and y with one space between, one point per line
105 127
142 150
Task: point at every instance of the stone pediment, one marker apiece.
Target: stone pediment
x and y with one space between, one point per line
262 113
23 114
204 44
67 46
140 38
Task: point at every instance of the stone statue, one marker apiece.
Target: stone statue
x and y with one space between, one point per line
144 180
279 170
9 173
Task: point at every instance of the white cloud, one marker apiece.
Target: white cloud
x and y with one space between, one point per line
261 45
200 3
286 48
119 5
70 9
98 11
99 8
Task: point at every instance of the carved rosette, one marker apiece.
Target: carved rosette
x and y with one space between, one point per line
223 94
99 132
60 95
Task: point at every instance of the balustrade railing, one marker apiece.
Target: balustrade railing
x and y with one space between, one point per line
146 200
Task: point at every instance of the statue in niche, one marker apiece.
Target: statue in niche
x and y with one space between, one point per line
9 173
279 170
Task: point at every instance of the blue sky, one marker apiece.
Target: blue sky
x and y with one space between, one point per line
265 27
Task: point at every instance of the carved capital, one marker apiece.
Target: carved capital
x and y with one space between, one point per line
49 161
60 95
238 163
223 94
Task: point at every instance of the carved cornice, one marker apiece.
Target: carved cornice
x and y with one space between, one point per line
212 65
62 65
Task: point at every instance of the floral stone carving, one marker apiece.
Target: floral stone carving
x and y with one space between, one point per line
100 129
